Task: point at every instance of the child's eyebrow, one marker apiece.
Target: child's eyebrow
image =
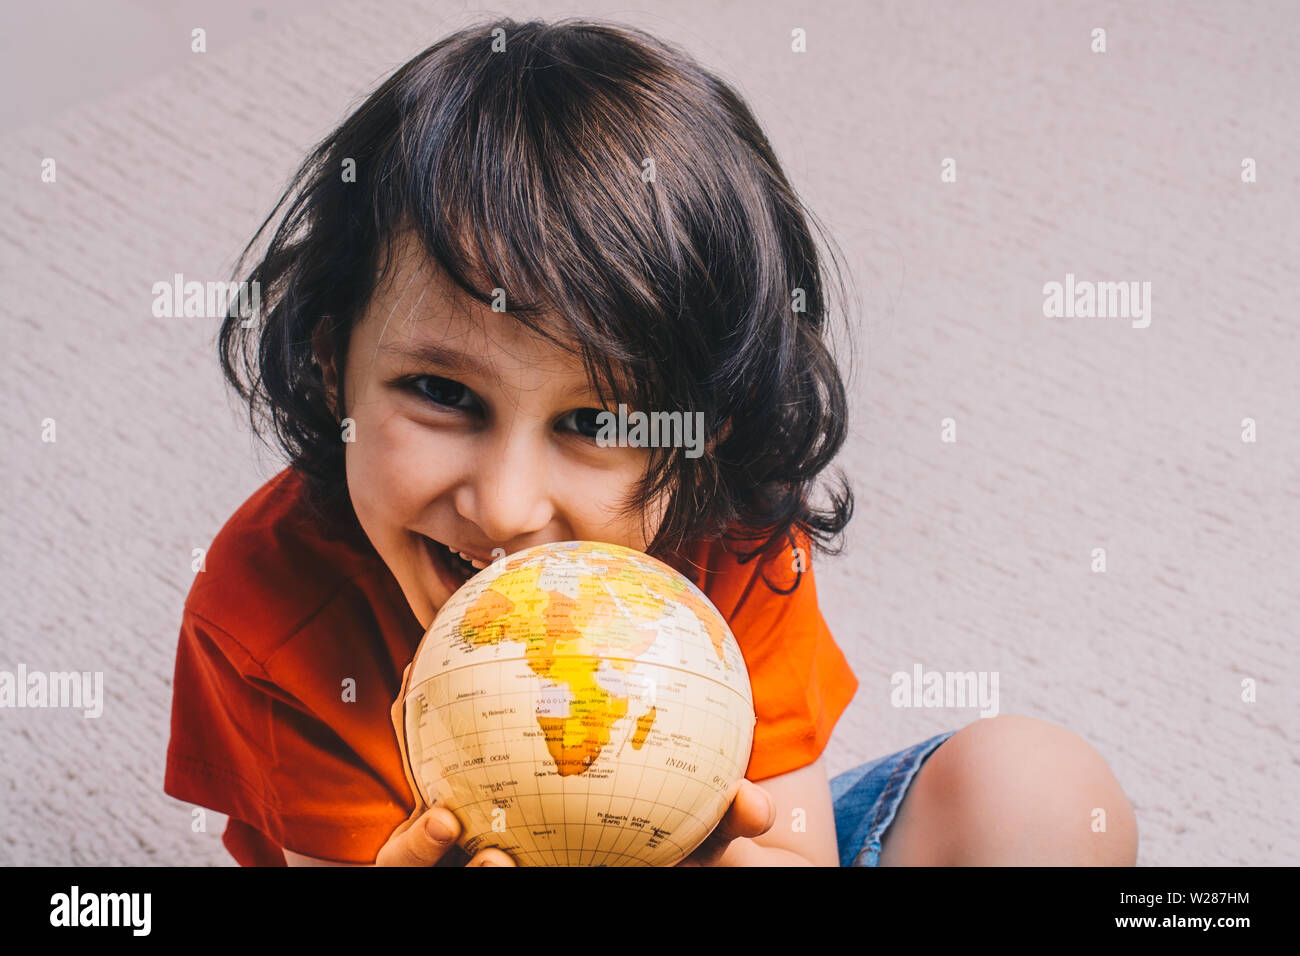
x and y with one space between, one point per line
431 353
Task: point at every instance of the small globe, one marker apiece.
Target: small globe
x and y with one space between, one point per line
579 704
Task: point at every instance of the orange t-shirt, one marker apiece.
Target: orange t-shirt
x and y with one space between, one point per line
284 612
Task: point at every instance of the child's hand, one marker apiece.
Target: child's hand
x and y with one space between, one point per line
751 814
415 844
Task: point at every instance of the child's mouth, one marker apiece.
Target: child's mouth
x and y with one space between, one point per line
456 570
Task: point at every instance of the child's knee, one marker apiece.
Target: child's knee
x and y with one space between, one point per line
1022 791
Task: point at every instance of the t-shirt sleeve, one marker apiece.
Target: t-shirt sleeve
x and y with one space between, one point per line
800 679
245 747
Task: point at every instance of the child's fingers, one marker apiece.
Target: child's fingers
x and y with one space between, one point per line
751 814
423 843
491 856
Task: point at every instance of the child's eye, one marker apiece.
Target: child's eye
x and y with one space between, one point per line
584 421
450 394
441 391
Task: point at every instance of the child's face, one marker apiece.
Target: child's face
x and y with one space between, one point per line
478 459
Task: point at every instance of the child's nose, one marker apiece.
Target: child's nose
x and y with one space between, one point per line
507 493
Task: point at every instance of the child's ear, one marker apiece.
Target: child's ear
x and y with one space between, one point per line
323 351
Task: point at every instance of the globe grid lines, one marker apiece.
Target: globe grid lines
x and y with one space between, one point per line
630 835
624 835
500 694
422 685
695 675
651 568
696 730
627 834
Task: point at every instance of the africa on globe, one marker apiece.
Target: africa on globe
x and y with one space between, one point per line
578 704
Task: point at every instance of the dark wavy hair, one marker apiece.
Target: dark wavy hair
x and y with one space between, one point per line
515 152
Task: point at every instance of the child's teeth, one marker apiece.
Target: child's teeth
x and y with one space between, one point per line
478 565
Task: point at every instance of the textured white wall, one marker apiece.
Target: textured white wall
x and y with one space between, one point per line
1072 433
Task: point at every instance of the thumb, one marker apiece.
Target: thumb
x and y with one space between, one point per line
422 843
751 814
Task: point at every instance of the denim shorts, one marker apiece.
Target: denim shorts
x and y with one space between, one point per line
867 797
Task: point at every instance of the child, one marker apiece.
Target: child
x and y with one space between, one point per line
525 225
